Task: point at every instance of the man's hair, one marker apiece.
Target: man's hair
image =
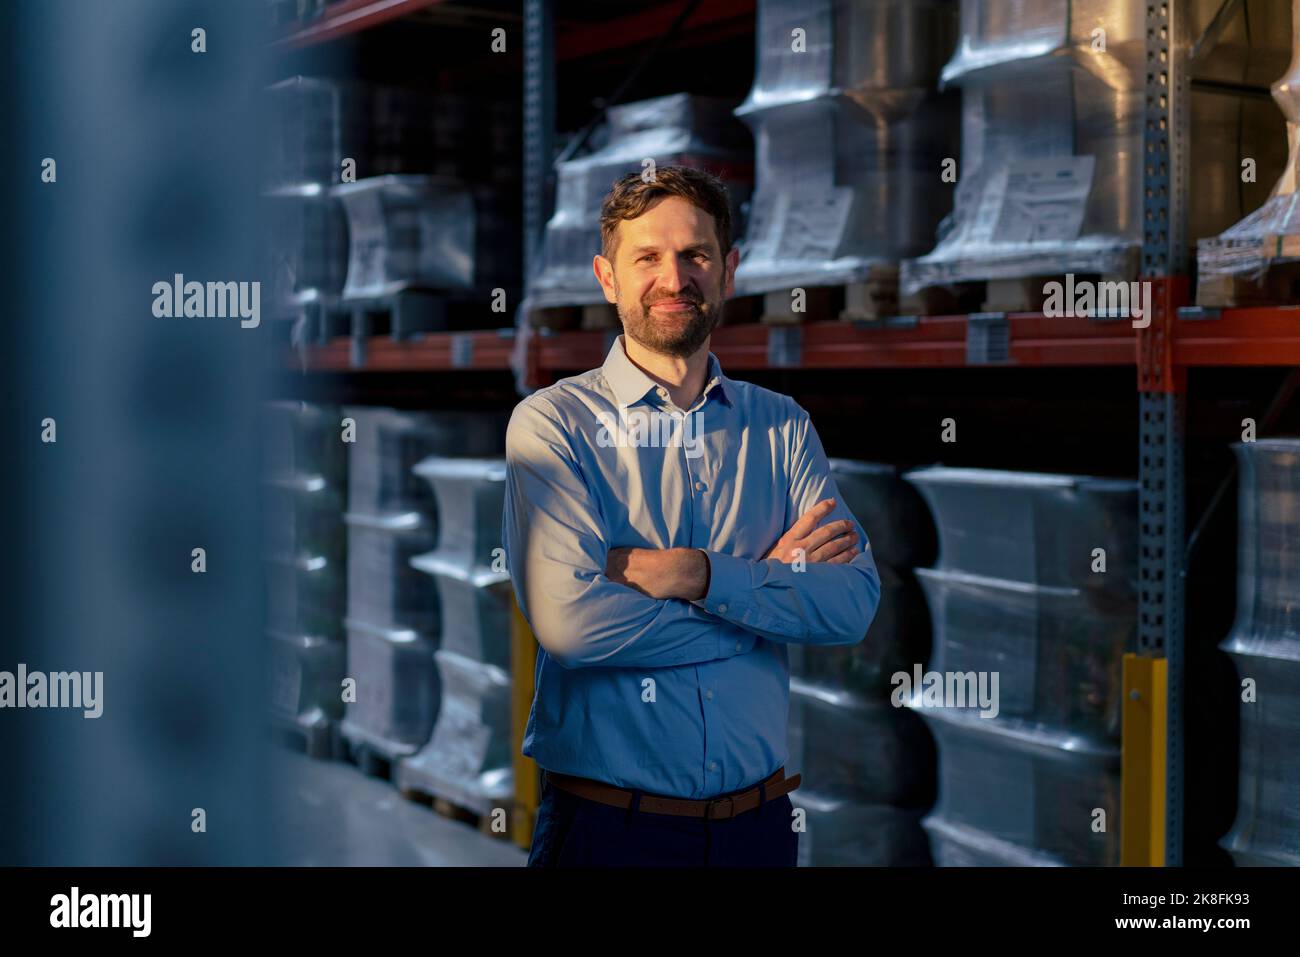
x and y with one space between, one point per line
631 196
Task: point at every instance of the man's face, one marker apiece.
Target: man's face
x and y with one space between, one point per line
668 277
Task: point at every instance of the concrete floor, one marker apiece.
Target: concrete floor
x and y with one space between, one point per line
330 814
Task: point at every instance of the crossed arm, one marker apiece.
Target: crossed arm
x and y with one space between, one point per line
591 605
685 572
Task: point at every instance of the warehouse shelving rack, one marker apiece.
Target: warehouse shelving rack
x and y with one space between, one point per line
1179 337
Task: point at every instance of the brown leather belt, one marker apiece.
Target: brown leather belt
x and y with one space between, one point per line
714 808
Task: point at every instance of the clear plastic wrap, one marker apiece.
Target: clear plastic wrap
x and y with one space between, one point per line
308 254
407 232
849 132
303 133
306 674
1267 827
955 846
891 512
315 123
1247 247
859 749
1057 651
306 594
383 589
1050 179
1265 648
899 636
1268 548
302 517
390 443
468 564
397 690
468 759
1012 784
1034 527
301 440
304 544
680 129
842 833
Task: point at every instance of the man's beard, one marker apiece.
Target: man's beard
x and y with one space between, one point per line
670 337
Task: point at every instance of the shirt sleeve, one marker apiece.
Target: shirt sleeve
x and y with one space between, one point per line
556 545
822 604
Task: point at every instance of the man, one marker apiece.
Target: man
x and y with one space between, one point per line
668 532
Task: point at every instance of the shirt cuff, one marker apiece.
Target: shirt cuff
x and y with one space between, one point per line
729 583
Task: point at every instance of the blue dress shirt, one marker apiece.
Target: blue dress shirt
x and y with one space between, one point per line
674 697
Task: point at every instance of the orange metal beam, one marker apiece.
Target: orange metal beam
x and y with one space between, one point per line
349 16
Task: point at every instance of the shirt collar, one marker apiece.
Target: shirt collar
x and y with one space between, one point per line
630 384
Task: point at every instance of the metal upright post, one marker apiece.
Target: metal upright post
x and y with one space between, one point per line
539 123
1162 385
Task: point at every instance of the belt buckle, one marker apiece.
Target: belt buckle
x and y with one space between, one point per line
708 810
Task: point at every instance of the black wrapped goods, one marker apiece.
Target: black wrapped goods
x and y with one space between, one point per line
891 512
1048 796
1030 527
899 637
1057 652
1265 648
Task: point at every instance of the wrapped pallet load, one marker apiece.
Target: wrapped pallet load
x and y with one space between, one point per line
1265 647
416 244
1050 178
393 622
467 761
680 129
1256 259
868 767
306 233
305 548
1033 603
850 135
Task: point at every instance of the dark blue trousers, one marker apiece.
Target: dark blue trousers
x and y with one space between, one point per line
572 831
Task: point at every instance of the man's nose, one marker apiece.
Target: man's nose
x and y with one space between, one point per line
672 278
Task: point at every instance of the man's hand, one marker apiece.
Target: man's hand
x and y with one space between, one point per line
660 572
831 543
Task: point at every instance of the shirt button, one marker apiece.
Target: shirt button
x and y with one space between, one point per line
708 696
722 608
663 394
713 765
699 486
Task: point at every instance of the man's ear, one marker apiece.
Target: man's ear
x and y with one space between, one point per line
604 270
732 261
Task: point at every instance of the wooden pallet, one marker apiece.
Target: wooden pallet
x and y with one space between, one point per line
596 315
454 812
1278 286
875 297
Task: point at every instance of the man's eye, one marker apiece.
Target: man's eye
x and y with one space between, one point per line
645 259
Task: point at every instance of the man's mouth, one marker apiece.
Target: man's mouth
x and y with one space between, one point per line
673 305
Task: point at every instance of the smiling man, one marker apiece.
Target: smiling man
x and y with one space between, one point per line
663 587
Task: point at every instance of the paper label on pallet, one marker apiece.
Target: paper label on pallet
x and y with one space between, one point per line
815 222
1044 199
